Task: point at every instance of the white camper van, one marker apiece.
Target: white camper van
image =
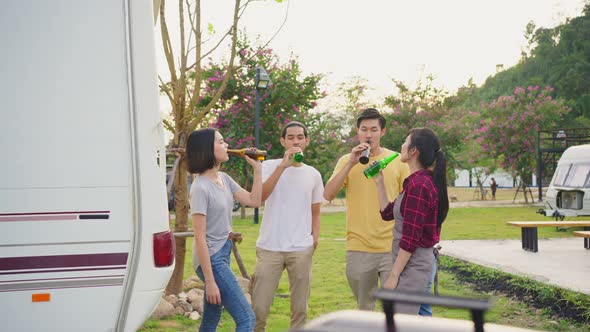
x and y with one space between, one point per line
84 238
568 194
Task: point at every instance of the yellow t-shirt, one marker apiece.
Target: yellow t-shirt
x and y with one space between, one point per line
365 230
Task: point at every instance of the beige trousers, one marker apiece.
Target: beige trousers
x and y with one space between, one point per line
267 274
363 271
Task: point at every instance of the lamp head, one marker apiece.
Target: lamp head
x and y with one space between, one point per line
262 78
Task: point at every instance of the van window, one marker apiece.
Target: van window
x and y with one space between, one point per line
578 175
561 174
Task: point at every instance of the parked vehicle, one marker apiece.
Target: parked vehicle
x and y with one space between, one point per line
84 238
568 194
169 176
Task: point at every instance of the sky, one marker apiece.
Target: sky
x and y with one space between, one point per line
381 40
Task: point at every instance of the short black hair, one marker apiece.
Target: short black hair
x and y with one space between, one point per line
371 113
293 124
199 150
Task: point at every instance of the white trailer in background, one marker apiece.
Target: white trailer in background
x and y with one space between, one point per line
84 238
568 194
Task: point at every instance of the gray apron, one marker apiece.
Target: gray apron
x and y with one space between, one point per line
416 275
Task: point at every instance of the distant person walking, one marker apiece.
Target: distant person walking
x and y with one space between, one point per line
419 212
493 186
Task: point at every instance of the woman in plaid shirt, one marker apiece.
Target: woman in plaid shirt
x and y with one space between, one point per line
419 212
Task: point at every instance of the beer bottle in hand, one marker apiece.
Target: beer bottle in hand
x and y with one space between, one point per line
364 158
377 166
298 157
250 152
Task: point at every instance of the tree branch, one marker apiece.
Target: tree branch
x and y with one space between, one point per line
166 90
200 115
198 71
169 126
242 9
167 45
271 38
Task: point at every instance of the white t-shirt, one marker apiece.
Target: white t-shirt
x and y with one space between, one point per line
286 223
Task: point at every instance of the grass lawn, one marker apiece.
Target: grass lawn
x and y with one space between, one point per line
330 291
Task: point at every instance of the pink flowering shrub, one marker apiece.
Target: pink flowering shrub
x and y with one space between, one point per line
510 124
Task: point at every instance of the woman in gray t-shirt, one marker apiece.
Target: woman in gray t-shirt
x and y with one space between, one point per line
211 199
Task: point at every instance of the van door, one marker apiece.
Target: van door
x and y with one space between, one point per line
67 214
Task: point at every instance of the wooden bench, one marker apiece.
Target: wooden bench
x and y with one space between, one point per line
530 241
585 235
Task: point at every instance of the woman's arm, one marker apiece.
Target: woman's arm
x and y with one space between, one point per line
381 191
199 229
254 197
398 267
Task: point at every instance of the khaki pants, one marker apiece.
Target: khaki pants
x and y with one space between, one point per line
267 274
363 270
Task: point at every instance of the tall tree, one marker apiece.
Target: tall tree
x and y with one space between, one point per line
424 106
558 57
510 124
292 96
184 91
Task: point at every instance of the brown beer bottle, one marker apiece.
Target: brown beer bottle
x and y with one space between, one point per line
250 152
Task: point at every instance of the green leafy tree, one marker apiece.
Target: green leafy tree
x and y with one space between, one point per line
351 100
292 96
470 155
425 106
184 58
557 57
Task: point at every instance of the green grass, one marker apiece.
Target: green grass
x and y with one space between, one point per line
489 223
330 291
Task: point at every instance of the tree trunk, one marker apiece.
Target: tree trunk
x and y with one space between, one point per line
180 225
526 199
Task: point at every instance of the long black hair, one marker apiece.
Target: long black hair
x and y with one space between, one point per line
199 150
428 144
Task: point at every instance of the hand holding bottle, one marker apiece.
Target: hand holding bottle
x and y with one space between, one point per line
377 166
356 152
255 163
289 156
378 177
364 158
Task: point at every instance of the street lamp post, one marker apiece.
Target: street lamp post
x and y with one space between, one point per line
262 82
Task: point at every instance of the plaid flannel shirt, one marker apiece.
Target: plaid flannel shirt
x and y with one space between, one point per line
419 209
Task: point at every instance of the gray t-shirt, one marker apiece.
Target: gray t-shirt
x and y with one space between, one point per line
215 203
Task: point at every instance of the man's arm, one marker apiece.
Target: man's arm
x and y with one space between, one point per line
315 223
336 182
269 185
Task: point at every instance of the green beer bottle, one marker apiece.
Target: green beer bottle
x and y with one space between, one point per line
379 165
298 157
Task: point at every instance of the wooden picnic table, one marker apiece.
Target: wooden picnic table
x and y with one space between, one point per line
585 235
529 234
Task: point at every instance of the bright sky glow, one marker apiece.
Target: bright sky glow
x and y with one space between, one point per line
384 39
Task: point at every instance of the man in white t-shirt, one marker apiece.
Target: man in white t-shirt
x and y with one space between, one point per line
293 193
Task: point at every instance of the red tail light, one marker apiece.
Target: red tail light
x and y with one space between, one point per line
164 249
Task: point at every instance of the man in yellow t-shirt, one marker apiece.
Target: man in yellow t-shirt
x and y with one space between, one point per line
368 237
